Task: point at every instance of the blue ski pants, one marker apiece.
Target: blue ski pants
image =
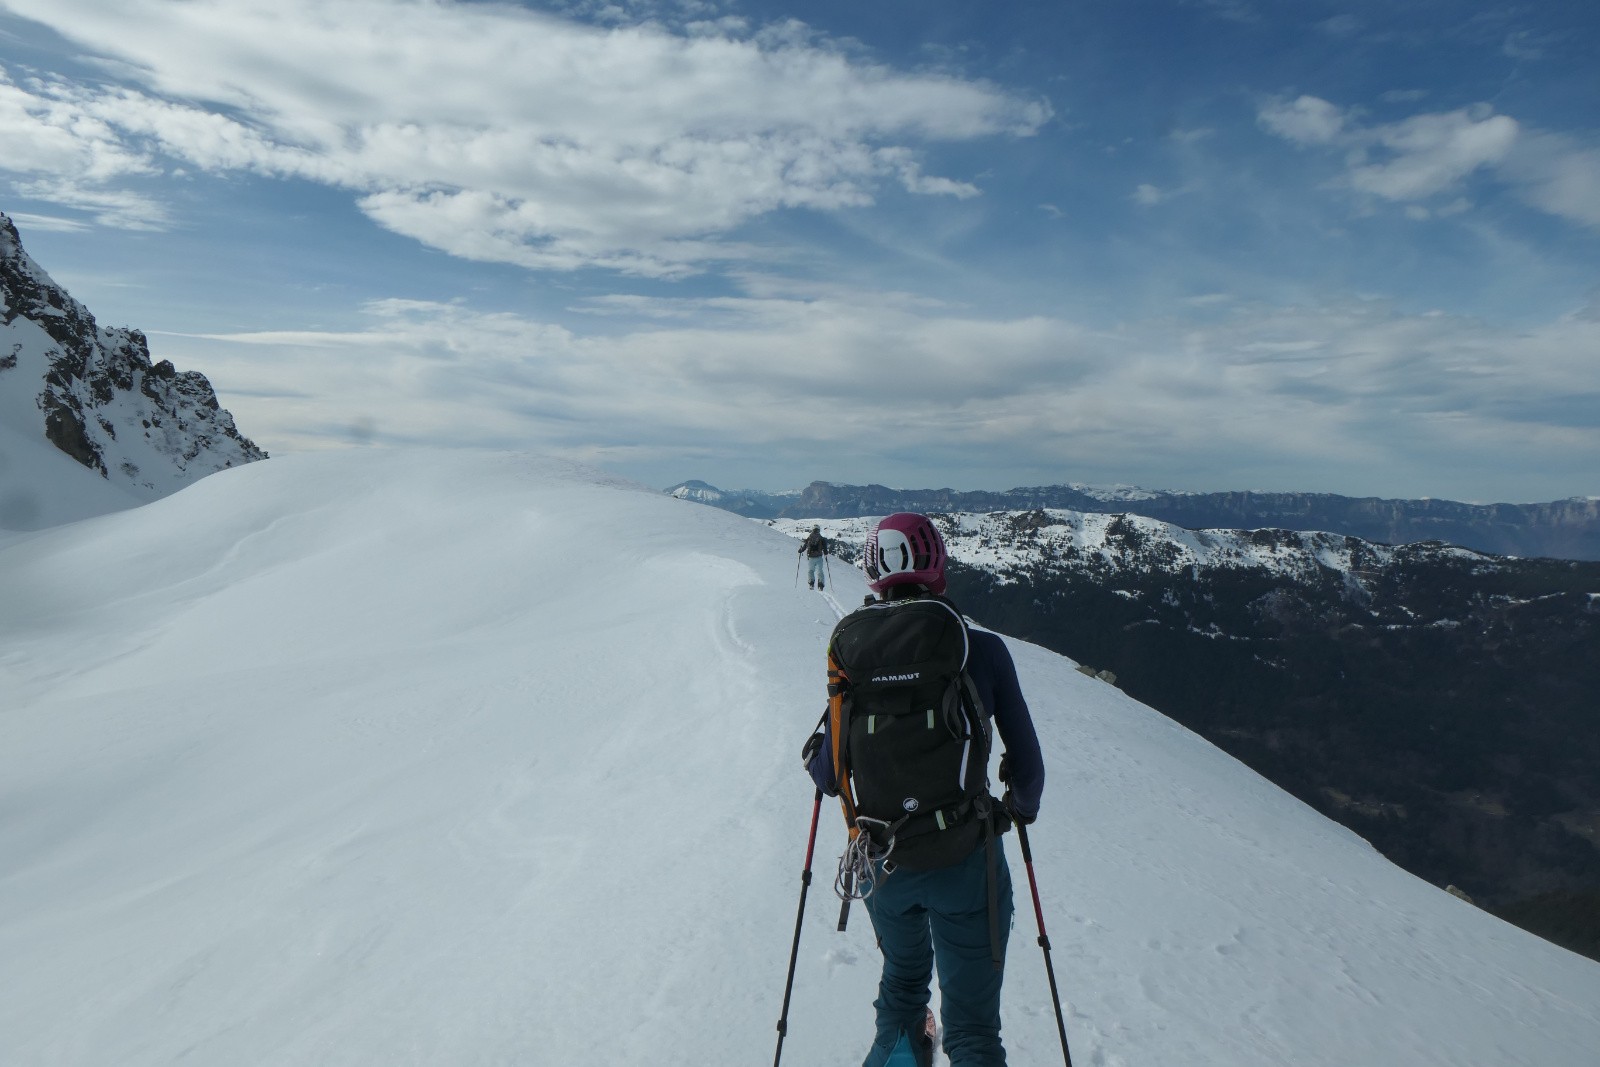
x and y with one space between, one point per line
923 918
815 569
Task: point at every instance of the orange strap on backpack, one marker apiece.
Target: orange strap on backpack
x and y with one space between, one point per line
837 684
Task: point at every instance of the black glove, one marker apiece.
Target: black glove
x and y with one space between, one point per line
1016 816
809 750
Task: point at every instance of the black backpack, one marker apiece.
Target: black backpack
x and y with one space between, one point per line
911 741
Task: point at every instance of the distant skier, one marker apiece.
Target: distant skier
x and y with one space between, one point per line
815 548
925 851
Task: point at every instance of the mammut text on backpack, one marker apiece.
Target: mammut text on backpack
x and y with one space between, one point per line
911 744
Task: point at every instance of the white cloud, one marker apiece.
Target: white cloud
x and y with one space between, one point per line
46 133
1559 175
1433 154
495 132
120 209
1527 45
1148 195
1341 390
1429 154
1306 119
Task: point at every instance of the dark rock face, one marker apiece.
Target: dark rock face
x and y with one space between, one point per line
63 425
1562 529
102 401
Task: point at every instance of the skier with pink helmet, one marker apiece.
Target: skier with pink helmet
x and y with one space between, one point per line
913 694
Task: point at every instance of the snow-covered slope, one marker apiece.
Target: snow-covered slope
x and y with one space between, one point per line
402 758
70 388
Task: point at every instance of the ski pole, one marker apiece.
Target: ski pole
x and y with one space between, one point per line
797 570
827 565
1044 939
794 950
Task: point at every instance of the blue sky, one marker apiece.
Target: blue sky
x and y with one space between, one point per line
1195 244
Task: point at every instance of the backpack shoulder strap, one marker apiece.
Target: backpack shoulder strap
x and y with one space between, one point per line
838 732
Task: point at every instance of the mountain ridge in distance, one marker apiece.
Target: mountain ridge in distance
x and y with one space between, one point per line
1558 529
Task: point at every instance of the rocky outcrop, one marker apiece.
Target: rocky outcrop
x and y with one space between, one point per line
99 398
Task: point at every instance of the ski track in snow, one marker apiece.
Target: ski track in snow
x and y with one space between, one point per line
406 758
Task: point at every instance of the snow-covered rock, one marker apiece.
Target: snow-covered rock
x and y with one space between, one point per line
93 395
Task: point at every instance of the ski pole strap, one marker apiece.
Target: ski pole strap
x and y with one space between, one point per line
996 950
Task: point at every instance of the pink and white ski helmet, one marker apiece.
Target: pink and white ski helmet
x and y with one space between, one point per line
905 549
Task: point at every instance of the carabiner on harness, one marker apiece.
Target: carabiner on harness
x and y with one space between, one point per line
866 862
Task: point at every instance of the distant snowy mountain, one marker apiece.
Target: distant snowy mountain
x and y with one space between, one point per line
824 499
1009 544
408 758
73 388
1562 529
751 503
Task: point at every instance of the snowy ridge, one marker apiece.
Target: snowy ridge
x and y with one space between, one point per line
95 396
408 758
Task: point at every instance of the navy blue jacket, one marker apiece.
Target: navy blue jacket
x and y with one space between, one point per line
995 675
